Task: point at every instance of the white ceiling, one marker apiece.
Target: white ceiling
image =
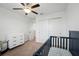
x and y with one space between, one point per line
45 8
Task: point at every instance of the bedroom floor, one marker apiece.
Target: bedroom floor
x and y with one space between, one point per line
24 50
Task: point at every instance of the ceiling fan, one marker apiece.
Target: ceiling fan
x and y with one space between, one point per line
28 7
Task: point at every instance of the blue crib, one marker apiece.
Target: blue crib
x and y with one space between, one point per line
70 43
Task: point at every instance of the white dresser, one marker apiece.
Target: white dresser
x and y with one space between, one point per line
15 40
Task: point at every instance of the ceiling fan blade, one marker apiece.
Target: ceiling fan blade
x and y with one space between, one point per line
17 8
34 6
26 13
34 12
22 4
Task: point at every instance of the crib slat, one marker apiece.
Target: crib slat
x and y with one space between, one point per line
63 43
58 42
66 43
55 41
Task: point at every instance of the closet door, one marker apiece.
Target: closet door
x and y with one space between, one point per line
42 31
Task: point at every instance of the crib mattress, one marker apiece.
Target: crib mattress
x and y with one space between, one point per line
58 52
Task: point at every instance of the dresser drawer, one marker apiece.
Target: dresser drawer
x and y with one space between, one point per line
12 42
12 45
21 43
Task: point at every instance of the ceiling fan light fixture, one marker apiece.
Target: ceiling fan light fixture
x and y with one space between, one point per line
27 10
28 7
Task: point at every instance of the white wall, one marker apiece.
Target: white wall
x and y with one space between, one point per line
73 16
58 26
13 23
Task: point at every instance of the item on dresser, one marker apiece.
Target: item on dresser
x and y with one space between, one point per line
15 40
3 45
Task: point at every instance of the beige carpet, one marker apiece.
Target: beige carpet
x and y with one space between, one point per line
24 50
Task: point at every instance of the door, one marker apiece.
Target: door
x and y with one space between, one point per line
42 31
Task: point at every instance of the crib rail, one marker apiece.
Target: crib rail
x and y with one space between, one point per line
60 42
